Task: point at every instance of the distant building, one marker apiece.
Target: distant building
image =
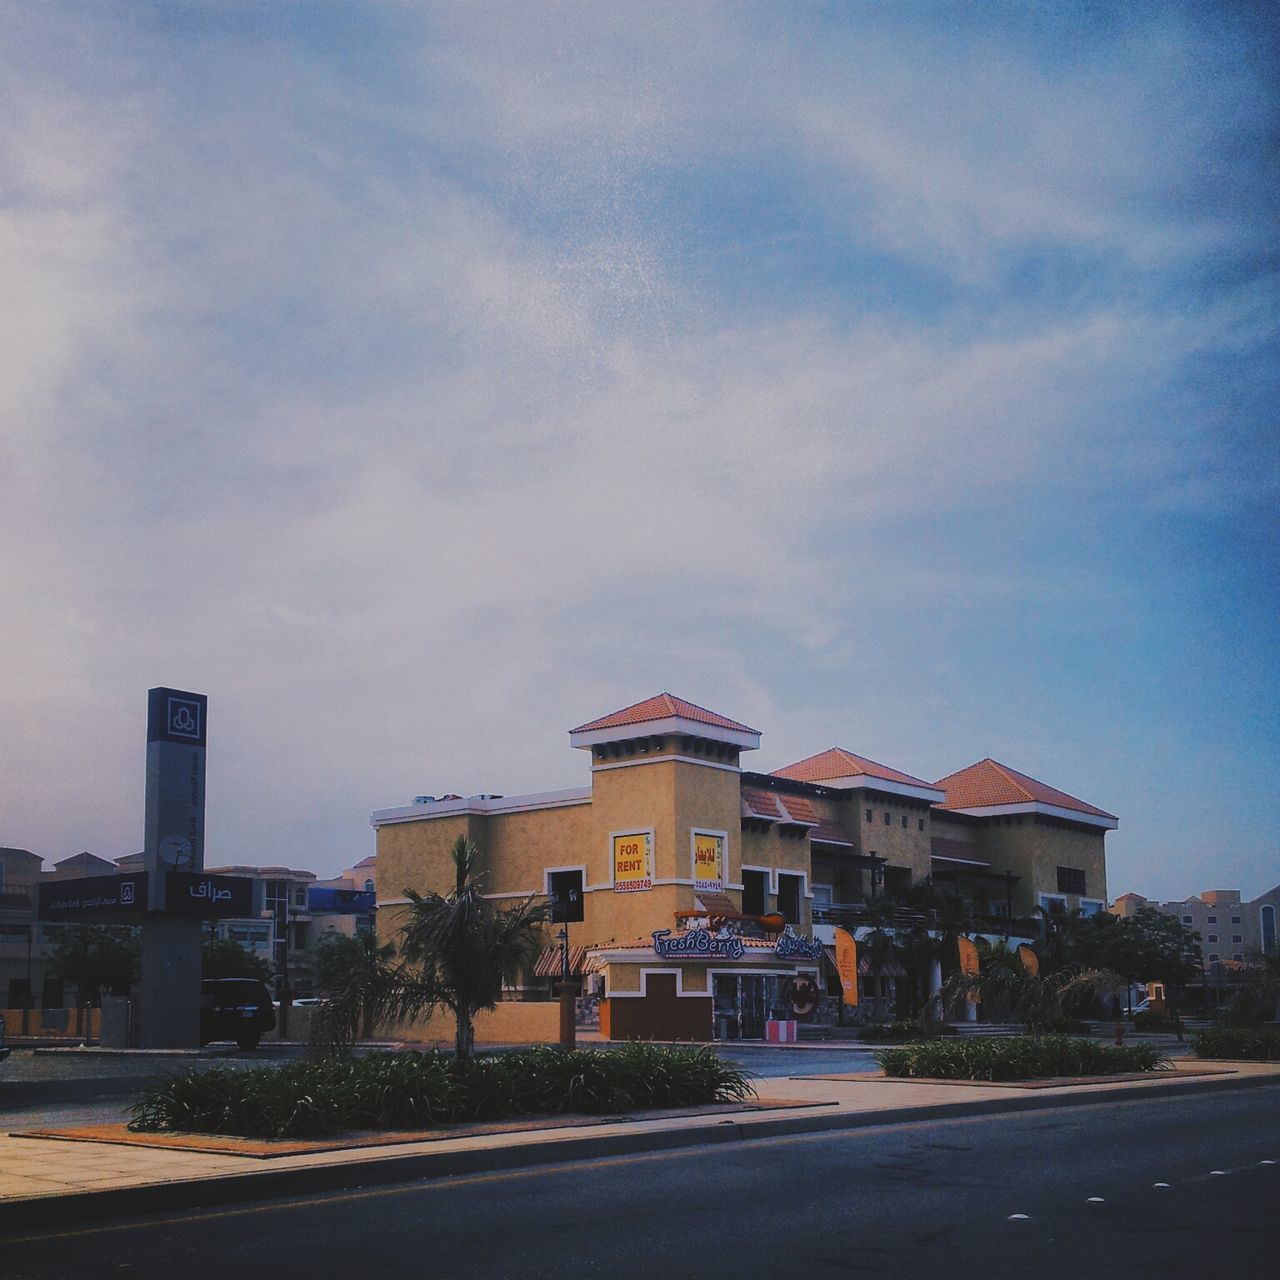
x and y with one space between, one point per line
1231 930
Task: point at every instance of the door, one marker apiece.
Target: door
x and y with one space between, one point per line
751 1008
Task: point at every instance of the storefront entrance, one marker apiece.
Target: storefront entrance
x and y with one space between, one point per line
744 1002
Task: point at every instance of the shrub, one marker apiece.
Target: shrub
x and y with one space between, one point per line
1259 1044
418 1090
1016 1058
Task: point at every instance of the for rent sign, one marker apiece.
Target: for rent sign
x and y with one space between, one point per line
632 861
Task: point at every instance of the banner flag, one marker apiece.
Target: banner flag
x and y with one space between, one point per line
847 965
1030 961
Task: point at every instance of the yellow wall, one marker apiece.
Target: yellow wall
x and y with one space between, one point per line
1035 849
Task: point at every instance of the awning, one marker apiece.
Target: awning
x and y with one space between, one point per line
550 963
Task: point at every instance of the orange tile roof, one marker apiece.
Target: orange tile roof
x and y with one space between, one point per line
799 810
839 763
990 783
761 804
661 707
828 832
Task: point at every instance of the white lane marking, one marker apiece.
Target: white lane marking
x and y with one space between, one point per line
1160 1184
1217 1173
1266 1162
1096 1200
1017 1217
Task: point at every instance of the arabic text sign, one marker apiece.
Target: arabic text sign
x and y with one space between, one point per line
697 944
122 897
708 861
632 861
192 894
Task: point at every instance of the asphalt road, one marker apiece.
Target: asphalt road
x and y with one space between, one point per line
981 1197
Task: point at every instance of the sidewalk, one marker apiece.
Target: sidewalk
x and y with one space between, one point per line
46 1180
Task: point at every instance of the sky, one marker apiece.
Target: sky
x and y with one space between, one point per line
420 381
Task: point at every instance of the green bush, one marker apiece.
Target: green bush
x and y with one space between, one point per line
1016 1058
1254 1044
418 1090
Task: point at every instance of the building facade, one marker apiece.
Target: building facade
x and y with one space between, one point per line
1232 930
675 868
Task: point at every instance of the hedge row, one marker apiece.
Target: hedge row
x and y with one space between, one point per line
419 1090
1255 1044
1016 1058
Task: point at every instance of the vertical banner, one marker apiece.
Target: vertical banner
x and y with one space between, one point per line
708 861
1029 960
632 861
969 963
847 965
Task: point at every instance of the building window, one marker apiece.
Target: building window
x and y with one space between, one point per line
887 819
904 822
1238 956
1237 937
1212 919
869 816
1186 920
1071 880
564 888
1213 956
1213 937
755 884
920 823
1235 919
789 897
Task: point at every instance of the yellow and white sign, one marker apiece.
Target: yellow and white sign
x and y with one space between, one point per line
632 861
708 861
847 965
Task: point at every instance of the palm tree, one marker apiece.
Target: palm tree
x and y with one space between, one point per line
1062 933
457 952
1039 1003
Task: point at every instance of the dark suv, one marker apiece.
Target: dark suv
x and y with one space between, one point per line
236 1009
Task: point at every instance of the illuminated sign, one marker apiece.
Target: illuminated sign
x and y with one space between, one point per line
196 894
104 897
708 861
697 944
791 946
632 861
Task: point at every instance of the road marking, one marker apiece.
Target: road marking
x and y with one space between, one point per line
1017 1217
1217 1173
1160 1184
1096 1200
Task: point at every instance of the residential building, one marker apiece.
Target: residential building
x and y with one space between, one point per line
1232 930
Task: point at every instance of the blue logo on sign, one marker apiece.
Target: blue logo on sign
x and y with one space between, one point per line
184 718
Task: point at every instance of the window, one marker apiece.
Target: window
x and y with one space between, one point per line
920 823
1071 880
564 888
755 885
869 816
1237 937
1213 937
1186 920
1213 956
887 819
789 897
1238 956
904 822
1212 919
300 897
1235 919
368 886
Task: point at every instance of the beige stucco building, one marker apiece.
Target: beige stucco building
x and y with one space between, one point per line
670 831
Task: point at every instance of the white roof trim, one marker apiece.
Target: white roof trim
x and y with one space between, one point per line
668 724
1049 810
869 782
965 862
481 804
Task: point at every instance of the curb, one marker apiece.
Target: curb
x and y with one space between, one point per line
223 1189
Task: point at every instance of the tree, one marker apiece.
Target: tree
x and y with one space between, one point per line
1148 946
347 972
1062 930
226 958
457 951
97 958
1039 1003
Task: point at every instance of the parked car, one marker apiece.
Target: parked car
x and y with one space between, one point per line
236 1009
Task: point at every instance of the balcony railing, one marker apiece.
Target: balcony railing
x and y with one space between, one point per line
859 915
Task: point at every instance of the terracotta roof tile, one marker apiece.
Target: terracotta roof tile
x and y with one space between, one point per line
757 803
990 783
839 763
829 832
800 810
661 707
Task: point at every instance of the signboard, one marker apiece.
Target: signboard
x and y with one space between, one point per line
351 902
93 897
969 963
697 944
195 894
791 945
1030 961
847 965
708 861
632 861
177 727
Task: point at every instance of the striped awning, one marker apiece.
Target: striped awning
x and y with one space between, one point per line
550 963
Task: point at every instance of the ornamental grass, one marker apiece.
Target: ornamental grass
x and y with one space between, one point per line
420 1090
1017 1058
1250 1044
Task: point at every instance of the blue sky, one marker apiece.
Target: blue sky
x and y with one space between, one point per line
421 381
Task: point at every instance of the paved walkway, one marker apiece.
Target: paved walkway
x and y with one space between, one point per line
46 1180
